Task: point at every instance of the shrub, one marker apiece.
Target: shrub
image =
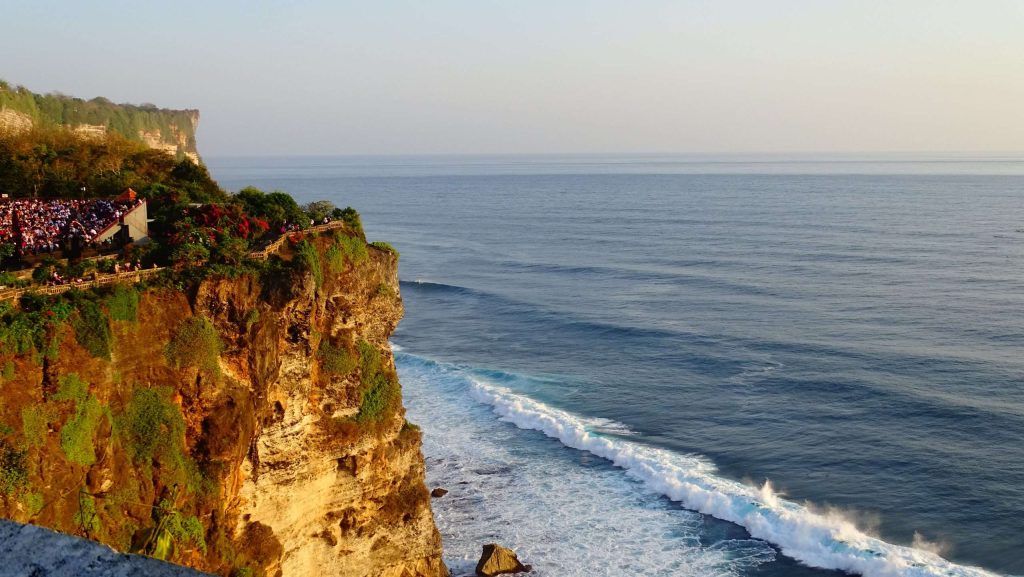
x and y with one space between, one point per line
92 329
380 390
150 421
8 371
190 255
308 257
34 503
336 359
353 247
86 518
153 430
77 434
196 343
251 318
385 290
349 216
319 210
378 398
369 359
384 246
13 468
35 422
335 259
123 303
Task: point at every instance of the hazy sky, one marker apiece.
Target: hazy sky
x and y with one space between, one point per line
481 76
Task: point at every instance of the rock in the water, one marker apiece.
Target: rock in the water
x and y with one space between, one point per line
497 560
438 492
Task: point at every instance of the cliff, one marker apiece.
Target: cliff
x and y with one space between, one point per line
172 131
242 424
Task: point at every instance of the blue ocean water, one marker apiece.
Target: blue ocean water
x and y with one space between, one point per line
611 355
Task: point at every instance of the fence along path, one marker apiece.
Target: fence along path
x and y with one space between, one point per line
137 276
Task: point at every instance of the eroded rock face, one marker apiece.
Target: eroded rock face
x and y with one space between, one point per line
302 480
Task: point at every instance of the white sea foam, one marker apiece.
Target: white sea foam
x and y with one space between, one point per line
568 513
820 539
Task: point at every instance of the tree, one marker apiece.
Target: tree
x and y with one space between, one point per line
319 210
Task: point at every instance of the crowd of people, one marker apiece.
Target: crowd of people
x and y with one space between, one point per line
43 226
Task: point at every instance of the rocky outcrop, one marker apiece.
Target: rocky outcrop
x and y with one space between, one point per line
12 121
254 423
497 560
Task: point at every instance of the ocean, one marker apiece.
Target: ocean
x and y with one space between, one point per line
700 365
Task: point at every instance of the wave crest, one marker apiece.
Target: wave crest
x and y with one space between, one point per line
826 539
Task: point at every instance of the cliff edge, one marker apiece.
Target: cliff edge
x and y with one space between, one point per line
246 424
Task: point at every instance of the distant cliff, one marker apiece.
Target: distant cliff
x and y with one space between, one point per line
173 131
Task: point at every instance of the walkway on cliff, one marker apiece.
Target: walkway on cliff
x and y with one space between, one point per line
138 276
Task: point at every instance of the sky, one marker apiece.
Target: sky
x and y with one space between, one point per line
554 76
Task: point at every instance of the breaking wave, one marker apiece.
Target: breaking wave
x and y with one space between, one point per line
817 538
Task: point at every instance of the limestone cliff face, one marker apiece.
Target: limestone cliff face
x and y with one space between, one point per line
172 131
294 457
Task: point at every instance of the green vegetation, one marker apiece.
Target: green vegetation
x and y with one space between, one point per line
308 257
184 529
35 422
78 433
353 247
92 330
86 518
196 343
31 327
125 119
252 317
319 210
335 259
369 359
385 290
277 208
336 359
13 468
8 371
349 216
33 502
123 303
152 430
379 391
379 396
350 248
148 421
384 246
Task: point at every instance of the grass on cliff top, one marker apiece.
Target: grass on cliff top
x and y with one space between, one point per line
385 247
196 343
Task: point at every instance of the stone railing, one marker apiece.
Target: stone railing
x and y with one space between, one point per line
137 276
272 248
100 280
